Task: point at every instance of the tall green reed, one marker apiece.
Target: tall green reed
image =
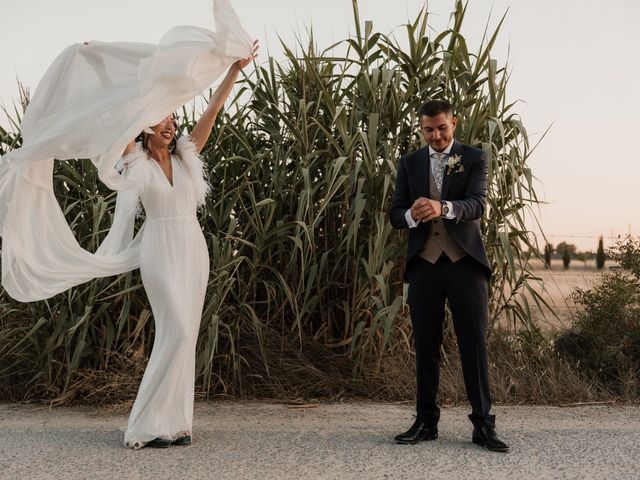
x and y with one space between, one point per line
305 293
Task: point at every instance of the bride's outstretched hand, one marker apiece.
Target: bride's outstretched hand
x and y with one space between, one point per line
243 62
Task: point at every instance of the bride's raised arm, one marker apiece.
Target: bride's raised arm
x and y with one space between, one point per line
203 127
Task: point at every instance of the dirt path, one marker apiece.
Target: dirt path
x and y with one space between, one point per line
247 440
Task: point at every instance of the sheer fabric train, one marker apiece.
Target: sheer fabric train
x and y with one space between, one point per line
90 103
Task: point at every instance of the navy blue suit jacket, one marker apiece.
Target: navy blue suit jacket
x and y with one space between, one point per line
466 190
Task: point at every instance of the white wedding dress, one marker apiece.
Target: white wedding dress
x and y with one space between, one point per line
174 264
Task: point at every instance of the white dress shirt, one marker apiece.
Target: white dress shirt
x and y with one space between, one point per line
432 162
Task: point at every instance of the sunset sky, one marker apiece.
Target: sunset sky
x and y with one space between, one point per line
575 67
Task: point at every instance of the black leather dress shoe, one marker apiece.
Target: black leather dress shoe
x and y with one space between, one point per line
486 436
159 443
419 431
182 441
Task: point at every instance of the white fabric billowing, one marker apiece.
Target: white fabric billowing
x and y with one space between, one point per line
174 264
90 103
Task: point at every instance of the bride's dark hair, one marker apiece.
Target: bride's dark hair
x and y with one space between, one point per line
173 146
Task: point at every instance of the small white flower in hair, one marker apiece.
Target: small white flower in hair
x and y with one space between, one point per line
149 131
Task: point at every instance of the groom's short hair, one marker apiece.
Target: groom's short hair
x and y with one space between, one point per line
435 107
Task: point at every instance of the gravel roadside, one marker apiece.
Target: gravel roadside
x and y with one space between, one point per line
261 440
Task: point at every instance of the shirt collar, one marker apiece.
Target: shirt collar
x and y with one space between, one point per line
446 150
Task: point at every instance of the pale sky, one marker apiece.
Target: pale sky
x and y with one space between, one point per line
575 65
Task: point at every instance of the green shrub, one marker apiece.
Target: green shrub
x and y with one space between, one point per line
605 340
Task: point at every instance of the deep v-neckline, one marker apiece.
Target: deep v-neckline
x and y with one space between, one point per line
171 182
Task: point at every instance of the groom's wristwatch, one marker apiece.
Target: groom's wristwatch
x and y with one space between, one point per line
445 209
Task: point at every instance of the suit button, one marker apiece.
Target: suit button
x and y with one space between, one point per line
436 233
435 221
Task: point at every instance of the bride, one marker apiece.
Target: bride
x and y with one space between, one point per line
119 90
174 264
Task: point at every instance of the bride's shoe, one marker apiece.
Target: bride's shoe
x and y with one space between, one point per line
159 442
182 441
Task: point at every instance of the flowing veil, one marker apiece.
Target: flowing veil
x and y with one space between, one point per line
90 103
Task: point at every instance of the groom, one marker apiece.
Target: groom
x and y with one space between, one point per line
440 196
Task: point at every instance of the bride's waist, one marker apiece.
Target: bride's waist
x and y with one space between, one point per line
172 218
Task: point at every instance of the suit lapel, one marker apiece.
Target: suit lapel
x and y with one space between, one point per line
456 149
422 173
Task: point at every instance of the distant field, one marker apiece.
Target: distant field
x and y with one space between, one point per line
558 284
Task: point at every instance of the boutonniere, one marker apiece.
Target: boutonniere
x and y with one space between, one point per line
454 164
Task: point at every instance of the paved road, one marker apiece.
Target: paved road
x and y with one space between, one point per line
257 440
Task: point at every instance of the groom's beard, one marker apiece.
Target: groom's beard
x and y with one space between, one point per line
439 145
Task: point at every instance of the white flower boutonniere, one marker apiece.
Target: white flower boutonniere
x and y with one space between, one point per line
454 164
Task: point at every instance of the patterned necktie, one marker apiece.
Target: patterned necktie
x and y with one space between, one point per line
438 168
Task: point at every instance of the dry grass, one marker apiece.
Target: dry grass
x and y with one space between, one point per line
523 370
555 287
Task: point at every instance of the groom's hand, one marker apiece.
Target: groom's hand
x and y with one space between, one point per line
425 209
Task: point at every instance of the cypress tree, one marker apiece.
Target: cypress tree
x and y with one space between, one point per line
566 257
600 258
548 250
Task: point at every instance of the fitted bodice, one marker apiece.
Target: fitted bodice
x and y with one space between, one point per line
160 199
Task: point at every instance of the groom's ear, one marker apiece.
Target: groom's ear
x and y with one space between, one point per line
454 122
